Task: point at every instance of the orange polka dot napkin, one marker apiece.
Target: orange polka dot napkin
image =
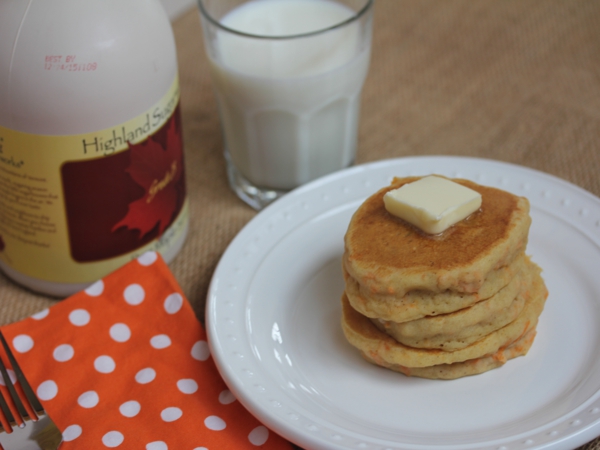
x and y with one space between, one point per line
125 364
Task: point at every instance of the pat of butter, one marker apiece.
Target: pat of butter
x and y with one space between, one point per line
432 203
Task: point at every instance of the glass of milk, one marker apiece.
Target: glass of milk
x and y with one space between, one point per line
287 76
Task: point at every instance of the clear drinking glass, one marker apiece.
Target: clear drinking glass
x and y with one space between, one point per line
287 75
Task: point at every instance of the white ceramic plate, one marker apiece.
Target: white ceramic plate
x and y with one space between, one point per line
273 319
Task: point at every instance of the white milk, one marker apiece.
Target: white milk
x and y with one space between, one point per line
289 107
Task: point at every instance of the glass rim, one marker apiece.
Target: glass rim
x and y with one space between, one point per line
357 15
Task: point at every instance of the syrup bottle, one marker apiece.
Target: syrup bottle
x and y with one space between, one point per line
91 154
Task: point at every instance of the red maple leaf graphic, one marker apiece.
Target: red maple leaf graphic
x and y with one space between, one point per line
157 170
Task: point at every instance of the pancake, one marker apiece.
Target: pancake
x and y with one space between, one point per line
386 255
418 303
384 350
470 367
461 328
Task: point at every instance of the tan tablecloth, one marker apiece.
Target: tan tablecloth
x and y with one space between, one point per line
511 80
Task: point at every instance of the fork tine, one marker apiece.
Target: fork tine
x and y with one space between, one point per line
33 406
6 417
25 409
19 411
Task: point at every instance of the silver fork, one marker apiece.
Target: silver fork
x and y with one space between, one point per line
32 428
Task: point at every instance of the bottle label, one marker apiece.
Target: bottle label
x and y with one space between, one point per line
74 208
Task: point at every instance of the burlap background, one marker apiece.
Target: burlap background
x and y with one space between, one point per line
512 80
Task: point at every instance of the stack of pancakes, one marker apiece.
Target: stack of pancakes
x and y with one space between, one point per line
444 306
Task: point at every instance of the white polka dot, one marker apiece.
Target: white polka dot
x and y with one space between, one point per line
95 289
88 399
171 414
148 258
187 386
200 448
41 315
200 351
160 341
47 390
112 439
214 423
104 364
11 375
134 294
145 375
157 445
258 436
79 317
63 352
226 397
120 332
71 433
22 343
173 303
130 408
